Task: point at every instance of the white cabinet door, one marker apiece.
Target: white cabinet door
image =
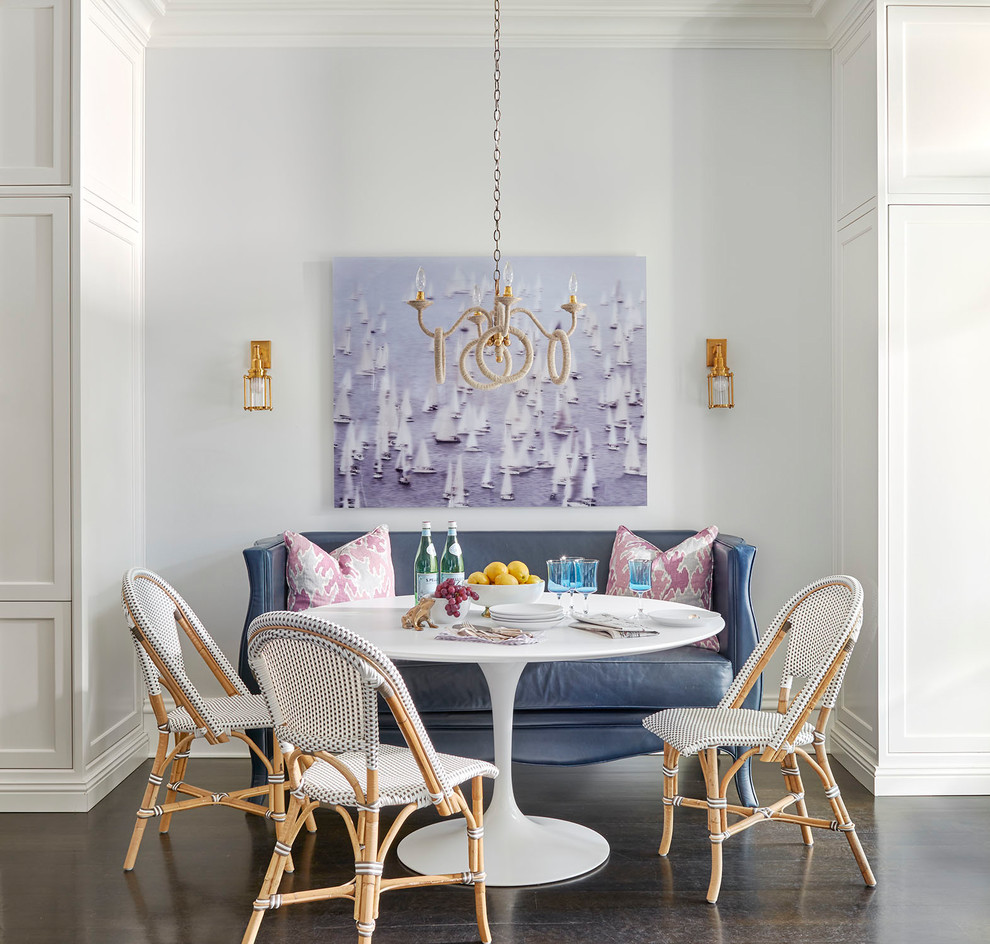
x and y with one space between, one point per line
939 453
34 92
35 685
938 75
34 399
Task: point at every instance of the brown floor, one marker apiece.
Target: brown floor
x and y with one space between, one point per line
61 881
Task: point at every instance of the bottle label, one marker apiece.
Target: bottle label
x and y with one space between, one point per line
455 549
457 575
426 585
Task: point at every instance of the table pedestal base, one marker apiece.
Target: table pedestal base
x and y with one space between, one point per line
534 851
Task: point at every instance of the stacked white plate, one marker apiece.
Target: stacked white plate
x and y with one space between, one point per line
527 615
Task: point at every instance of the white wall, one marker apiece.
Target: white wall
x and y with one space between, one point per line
264 164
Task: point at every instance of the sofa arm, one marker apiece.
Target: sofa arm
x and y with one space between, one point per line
731 597
265 562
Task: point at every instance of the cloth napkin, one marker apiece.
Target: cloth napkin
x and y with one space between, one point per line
617 627
499 635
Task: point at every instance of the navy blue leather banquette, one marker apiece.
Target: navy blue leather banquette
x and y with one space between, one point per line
565 712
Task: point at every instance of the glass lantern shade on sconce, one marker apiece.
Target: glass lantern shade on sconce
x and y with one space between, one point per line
721 392
257 382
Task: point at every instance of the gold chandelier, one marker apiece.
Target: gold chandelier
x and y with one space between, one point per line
494 326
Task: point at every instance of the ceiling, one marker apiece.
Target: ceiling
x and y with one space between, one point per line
543 23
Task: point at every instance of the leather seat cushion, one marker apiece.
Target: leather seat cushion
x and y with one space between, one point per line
683 677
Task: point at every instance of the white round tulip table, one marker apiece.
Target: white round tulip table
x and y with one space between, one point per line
519 849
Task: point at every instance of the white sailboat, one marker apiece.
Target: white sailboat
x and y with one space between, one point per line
342 412
423 465
562 468
458 498
613 438
546 460
590 476
486 477
633 464
444 430
405 411
562 423
366 366
623 358
448 485
621 413
506 493
431 400
472 442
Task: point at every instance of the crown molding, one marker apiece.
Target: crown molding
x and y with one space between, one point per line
525 23
134 17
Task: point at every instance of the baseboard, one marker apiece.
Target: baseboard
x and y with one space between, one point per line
903 775
71 791
200 747
853 754
940 781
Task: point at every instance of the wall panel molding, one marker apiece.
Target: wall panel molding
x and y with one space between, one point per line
35 685
34 92
112 110
35 464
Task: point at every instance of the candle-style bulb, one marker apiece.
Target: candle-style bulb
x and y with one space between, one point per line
420 280
476 296
508 275
572 284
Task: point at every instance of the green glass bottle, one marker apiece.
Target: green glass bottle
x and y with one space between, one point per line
426 567
452 560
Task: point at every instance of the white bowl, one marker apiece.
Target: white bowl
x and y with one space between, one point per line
496 595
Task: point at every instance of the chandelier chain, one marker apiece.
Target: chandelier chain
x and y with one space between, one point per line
497 215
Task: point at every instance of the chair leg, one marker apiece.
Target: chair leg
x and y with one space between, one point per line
148 801
476 860
670 758
792 780
716 818
267 898
843 821
179 764
367 876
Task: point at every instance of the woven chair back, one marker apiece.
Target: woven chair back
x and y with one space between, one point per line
154 610
818 627
322 684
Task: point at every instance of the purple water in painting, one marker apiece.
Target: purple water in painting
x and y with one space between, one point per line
400 440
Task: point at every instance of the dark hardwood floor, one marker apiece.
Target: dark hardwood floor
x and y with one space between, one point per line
61 878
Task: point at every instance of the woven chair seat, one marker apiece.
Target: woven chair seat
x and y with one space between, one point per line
232 712
690 730
400 779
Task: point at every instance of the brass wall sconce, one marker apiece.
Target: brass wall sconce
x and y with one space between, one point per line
721 394
257 382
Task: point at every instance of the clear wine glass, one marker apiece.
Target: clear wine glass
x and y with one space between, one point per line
640 580
557 578
588 578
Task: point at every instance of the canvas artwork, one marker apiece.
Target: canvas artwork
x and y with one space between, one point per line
402 440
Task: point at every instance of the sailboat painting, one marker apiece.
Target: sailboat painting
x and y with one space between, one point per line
402 440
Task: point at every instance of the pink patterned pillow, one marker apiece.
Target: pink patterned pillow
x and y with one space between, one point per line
681 575
360 570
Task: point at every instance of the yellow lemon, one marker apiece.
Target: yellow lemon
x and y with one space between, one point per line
505 580
494 569
532 578
478 577
518 570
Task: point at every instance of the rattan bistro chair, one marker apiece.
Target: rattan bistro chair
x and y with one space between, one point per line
820 625
322 683
155 612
